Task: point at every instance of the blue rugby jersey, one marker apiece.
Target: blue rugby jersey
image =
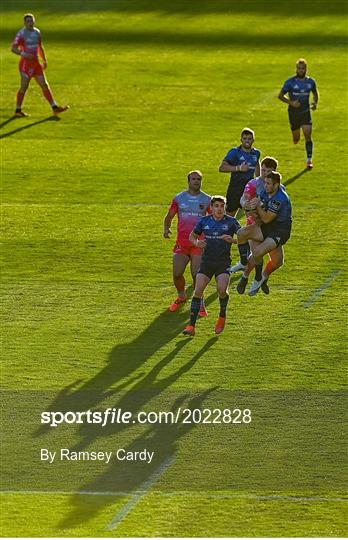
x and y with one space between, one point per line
280 205
299 89
237 156
217 250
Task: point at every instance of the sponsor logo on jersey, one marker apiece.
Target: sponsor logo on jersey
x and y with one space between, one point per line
275 204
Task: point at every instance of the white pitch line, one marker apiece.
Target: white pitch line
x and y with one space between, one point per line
138 495
318 292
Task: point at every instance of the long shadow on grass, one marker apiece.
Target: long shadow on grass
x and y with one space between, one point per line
51 118
3 124
295 177
183 38
192 8
120 480
134 392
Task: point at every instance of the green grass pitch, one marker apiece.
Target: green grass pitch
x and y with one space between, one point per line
157 88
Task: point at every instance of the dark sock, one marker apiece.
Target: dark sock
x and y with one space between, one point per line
258 272
223 305
18 109
309 149
195 306
244 253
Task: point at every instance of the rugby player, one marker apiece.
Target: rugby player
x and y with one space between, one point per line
298 89
28 45
253 189
274 210
190 206
218 230
243 162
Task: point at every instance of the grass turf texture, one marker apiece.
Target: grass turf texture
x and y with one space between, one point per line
156 89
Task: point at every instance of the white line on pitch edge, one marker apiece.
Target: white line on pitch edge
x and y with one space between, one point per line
318 292
138 495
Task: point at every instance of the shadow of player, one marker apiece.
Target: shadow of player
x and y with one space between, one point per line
51 118
126 479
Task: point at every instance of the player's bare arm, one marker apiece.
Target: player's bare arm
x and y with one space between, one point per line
228 168
314 105
194 238
293 102
43 56
266 216
20 52
229 239
167 224
258 169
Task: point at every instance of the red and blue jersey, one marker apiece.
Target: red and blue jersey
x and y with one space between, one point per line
190 209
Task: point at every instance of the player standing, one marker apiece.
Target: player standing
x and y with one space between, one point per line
299 89
28 45
218 230
243 162
190 206
274 209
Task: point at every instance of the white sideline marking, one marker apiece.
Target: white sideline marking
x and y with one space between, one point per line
183 493
318 292
138 495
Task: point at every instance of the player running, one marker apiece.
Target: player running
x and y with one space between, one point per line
218 230
298 89
190 206
274 209
28 45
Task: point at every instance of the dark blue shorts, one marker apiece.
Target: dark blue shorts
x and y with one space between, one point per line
298 119
211 269
280 236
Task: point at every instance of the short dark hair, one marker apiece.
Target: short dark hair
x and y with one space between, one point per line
276 177
29 15
248 131
270 163
220 198
194 171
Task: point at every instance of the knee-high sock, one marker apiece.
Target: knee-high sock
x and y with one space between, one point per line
244 253
223 305
258 272
20 97
309 149
195 307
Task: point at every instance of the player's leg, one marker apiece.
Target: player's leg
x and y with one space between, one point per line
296 135
222 282
180 261
195 264
295 125
25 81
276 261
234 194
47 92
202 281
242 283
259 250
307 132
